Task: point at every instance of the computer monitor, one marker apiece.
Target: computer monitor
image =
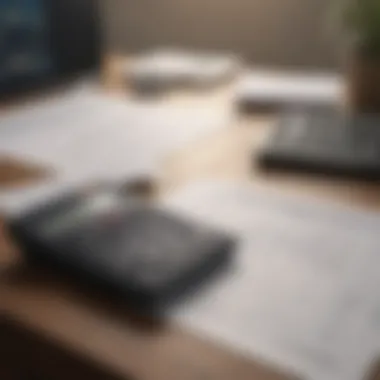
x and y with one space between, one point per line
46 40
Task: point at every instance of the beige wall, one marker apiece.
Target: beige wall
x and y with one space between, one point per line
276 32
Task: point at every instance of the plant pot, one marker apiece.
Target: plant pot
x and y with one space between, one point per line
363 84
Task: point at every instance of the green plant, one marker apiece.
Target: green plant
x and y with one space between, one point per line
361 21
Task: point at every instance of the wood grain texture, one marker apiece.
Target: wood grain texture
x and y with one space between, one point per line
16 172
93 329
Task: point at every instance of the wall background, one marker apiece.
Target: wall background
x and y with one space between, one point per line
276 32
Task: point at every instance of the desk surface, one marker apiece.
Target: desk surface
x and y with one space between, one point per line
108 337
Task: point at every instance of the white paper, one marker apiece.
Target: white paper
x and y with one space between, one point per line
303 293
288 87
88 136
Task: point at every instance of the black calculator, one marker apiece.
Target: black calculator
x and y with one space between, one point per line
328 143
148 255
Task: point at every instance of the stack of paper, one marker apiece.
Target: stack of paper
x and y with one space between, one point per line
176 69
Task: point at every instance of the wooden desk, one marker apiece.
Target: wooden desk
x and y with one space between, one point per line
51 329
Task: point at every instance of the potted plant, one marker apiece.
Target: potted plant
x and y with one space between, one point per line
361 22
